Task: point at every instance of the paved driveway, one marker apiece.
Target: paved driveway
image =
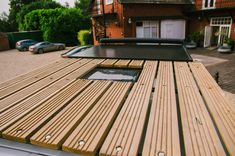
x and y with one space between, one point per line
14 63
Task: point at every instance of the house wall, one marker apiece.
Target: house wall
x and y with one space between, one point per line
148 10
218 4
114 26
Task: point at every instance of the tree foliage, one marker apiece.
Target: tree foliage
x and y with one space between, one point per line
58 25
4 24
42 4
15 7
83 5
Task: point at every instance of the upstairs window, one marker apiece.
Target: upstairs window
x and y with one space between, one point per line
208 4
109 2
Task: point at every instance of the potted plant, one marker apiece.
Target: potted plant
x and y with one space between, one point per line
195 40
227 46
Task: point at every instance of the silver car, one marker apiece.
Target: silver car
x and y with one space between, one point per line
42 47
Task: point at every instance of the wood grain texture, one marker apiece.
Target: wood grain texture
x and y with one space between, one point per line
19 96
95 126
121 64
27 82
108 63
31 74
162 133
200 136
136 64
24 128
67 120
125 135
222 112
18 111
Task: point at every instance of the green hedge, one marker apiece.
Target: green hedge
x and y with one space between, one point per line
49 4
57 25
84 37
13 37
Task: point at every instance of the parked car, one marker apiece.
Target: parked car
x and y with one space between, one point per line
23 45
46 46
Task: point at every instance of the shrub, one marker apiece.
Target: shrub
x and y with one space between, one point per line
57 25
84 37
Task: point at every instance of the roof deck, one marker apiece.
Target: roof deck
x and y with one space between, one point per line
173 108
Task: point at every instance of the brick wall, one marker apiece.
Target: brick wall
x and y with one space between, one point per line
4 43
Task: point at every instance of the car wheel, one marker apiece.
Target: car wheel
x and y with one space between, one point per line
25 49
61 48
40 51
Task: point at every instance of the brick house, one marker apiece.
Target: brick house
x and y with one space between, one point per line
215 19
163 19
139 18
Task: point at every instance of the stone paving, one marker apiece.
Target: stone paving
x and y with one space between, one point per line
214 61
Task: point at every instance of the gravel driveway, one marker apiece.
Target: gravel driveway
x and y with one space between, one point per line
14 63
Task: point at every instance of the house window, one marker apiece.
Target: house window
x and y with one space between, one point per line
109 2
98 7
217 21
208 4
150 29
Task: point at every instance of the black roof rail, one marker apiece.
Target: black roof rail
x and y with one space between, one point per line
140 40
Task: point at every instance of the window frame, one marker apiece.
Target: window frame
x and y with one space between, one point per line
208 4
108 2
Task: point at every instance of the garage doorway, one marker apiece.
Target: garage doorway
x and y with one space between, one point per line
174 29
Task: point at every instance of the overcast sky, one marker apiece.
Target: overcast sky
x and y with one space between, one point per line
4 7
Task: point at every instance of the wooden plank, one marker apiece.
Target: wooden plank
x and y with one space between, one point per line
121 64
36 87
54 133
93 129
24 128
162 133
222 112
108 63
27 82
30 74
136 64
200 136
125 135
12 115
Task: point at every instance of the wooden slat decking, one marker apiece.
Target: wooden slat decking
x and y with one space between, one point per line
27 82
162 134
200 136
136 64
24 83
66 121
30 74
93 129
15 113
23 129
168 111
124 136
108 63
122 64
13 99
221 111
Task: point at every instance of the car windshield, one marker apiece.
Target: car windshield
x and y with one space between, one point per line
41 43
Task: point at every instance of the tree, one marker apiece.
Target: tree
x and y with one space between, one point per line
4 24
83 5
15 6
49 4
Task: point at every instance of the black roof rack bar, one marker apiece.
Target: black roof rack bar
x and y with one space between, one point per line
140 40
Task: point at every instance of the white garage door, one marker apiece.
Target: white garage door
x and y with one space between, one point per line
174 29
